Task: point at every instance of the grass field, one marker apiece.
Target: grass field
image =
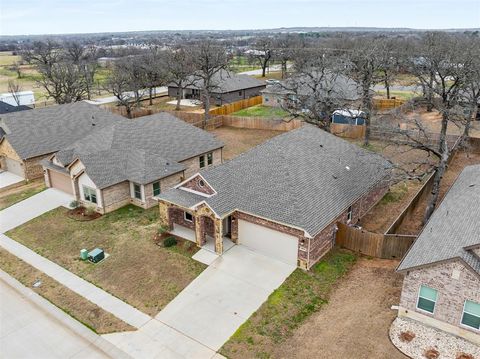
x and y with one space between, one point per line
15 195
137 270
301 295
261 111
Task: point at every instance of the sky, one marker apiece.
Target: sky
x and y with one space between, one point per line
23 17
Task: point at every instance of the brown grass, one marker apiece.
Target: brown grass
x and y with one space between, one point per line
138 271
17 194
239 140
70 302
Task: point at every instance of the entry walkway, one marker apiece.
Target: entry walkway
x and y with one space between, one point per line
111 304
8 179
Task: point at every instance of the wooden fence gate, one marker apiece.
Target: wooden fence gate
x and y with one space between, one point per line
378 245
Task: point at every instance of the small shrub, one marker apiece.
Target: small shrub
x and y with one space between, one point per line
431 354
90 211
169 242
464 356
162 230
406 337
74 204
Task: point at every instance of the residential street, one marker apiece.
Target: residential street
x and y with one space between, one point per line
26 331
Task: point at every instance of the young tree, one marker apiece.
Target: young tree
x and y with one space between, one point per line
119 83
389 62
210 59
154 71
14 88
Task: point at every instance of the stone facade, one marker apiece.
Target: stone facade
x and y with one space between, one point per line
192 165
177 216
198 184
455 283
115 196
33 168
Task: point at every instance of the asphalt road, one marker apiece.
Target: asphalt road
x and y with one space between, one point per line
28 332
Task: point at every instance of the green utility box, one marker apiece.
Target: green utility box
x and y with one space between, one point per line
96 255
84 254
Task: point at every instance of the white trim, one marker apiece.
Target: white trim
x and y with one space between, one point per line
463 312
192 177
185 216
195 192
418 299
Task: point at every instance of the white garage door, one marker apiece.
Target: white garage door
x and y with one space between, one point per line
14 167
268 242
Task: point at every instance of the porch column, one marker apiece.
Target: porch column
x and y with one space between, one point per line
218 235
163 208
198 230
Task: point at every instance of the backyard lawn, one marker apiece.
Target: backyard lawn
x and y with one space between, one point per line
261 111
14 195
300 296
137 270
239 140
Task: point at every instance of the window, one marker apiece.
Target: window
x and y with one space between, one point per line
156 188
201 183
137 191
209 158
89 194
188 217
427 299
239 93
202 161
349 214
471 314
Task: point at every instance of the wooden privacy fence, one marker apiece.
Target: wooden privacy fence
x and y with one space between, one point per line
347 131
378 245
236 106
385 104
261 123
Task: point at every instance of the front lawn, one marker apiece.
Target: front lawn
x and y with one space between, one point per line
301 295
138 271
17 194
262 111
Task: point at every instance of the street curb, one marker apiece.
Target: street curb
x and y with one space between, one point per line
94 339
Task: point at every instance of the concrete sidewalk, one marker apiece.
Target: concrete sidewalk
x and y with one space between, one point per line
104 300
32 207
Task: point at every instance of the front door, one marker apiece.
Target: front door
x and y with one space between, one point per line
227 227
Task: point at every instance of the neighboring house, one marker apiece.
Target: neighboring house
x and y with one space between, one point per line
229 87
297 90
7 108
442 268
131 161
283 198
30 136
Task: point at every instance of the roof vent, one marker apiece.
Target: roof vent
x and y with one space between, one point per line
472 185
347 168
93 120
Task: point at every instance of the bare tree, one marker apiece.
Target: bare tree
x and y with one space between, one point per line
262 53
14 88
471 89
389 62
362 63
180 67
119 83
210 59
285 49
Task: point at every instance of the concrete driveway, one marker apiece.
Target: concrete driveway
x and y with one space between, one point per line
9 178
26 331
209 310
32 207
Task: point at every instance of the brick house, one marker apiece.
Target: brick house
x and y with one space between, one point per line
28 137
131 161
229 87
442 268
283 198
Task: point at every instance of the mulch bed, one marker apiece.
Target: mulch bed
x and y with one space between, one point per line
80 214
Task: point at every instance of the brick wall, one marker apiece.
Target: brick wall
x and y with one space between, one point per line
116 196
370 199
194 184
452 292
176 215
165 184
193 164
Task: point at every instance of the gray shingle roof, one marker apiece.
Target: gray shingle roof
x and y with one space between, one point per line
339 86
7 108
140 150
304 178
227 81
454 226
45 130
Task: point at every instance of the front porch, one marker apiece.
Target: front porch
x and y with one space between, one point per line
209 243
